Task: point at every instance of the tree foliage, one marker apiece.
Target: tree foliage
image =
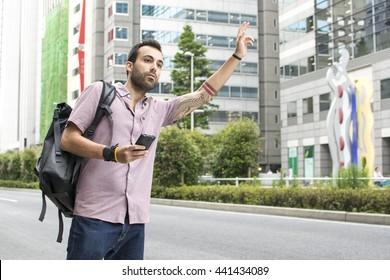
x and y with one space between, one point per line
181 74
237 150
178 159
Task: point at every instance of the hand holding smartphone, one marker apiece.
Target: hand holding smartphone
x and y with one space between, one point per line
145 140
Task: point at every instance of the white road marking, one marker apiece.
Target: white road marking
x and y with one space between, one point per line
7 199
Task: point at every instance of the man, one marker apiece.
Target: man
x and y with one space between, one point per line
379 179
113 191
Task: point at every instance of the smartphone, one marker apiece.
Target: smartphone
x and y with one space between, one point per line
145 140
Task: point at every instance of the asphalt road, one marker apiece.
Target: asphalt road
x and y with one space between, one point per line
177 233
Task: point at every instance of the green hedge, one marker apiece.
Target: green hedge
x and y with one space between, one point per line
19 165
351 200
19 184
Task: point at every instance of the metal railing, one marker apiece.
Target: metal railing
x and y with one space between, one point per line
268 180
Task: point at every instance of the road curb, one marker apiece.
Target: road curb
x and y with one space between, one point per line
342 216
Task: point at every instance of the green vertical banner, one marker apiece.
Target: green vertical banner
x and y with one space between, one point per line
293 162
309 161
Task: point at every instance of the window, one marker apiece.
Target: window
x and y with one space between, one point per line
201 15
76 9
75 72
110 61
162 36
110 35
75 94
76 29
168 64
148 10
156 89
234 18
121 8
166 87
121 33
219 116
385 88
254 47
324 102
292 109
183 14
235 92
254 116
214 65
110 11
179 13
250 68
120 58
218 41
309 24
223 92
249 92
307 104
202 39
218 17
249 18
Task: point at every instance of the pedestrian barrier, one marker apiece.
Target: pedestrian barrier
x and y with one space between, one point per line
266 180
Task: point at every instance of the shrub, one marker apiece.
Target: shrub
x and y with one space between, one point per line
351 200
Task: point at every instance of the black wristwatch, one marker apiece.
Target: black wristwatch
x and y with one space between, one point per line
108 153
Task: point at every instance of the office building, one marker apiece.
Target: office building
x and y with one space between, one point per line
80 41
311 35
19 73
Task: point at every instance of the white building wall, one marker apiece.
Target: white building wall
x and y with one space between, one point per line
73 39
19 73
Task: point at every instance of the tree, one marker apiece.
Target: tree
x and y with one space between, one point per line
362 48
178 159
181 74
206 147
237 150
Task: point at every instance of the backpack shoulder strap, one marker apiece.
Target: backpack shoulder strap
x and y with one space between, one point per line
106 98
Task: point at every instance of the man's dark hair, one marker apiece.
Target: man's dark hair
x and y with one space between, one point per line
134 50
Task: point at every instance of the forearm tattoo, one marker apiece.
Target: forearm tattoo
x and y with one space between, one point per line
191 101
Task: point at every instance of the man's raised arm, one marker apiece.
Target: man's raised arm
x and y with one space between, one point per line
191 101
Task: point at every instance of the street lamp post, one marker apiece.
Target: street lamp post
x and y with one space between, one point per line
192 84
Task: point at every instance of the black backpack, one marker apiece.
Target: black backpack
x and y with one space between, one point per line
58 170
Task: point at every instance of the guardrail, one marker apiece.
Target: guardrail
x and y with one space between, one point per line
268 180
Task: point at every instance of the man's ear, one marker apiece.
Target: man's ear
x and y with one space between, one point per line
129 65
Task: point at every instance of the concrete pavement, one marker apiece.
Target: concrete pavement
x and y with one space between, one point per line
342 216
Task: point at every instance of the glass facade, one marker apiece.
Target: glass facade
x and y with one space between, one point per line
226 116
211 38
197 15
361 26
167 37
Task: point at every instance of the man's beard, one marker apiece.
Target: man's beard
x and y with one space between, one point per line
139 82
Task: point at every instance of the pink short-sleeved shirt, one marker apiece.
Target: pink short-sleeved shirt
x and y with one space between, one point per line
108 190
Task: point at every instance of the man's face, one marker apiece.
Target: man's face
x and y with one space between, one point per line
145 73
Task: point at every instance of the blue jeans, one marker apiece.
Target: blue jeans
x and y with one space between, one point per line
92 239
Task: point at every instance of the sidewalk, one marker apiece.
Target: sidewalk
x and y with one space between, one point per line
341 216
